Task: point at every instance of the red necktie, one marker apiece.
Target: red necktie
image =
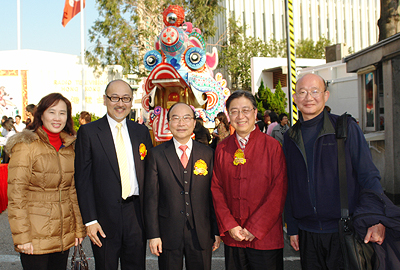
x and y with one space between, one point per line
184 157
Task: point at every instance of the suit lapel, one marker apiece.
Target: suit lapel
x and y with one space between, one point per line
107 143
173 160
196 156
135 147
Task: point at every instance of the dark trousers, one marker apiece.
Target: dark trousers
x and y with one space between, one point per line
128 243
195 257
237 258
51 261
320 251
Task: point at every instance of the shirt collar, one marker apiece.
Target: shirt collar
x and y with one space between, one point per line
246 138
114 123
189 144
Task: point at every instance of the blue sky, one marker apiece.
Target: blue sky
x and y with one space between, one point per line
41 27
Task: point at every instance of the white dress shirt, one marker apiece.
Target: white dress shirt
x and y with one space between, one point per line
129 154
179 152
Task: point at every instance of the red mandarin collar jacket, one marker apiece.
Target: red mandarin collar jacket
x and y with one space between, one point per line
250 195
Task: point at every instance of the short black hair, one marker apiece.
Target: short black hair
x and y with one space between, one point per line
239 94
281 116
170 109
273 116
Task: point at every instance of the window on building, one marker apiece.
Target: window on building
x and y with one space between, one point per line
369 94
373 112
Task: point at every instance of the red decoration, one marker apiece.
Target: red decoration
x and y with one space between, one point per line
180 13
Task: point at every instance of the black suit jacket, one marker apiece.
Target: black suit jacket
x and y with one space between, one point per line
97 178
164 200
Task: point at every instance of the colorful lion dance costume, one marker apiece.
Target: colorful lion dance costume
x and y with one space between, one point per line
181 71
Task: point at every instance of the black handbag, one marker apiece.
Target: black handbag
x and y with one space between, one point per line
79 261
357 255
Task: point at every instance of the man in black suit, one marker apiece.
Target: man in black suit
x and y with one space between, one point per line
178 211
109 176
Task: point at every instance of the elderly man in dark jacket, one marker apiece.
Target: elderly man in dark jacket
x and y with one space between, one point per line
313 199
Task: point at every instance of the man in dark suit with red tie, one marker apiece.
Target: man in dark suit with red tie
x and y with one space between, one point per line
109 176
178 211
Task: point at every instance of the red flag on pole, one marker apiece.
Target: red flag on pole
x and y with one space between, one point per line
71 8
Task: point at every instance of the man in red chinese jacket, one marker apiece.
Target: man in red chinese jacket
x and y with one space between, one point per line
249 187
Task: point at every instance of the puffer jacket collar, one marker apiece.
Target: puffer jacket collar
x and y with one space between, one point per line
29 136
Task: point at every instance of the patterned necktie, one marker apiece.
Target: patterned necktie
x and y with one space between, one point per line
122 164
243 143
184 157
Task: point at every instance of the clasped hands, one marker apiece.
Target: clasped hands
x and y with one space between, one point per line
239 234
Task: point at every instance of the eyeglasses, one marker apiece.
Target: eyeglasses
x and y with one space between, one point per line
235 112
314 93
117 99
177 119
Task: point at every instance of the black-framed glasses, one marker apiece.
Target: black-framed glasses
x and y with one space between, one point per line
117 99
185 119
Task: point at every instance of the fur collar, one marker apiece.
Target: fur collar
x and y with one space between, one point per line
25 136
28 136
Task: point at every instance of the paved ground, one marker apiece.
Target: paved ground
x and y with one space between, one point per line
9 259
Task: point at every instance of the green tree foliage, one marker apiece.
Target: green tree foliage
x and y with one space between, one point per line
75 118
266 100
280 99
238 50
307 48
126 29
236 53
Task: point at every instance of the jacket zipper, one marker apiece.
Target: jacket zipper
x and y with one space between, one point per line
61 213
308 178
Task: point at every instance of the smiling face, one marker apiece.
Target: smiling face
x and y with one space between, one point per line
118 110
309 106
242 122
55 117
181 129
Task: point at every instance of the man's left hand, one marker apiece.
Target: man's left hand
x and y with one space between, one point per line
248 235
216 243
375 234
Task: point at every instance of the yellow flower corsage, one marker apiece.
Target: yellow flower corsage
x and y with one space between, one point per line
200 167
239 157
142 151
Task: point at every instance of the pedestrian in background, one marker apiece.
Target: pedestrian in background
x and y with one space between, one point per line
43 209
9 128
201 134
223 129
19 126
84 118
30 112
274 121
279 130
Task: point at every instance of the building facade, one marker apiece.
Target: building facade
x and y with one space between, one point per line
350 22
